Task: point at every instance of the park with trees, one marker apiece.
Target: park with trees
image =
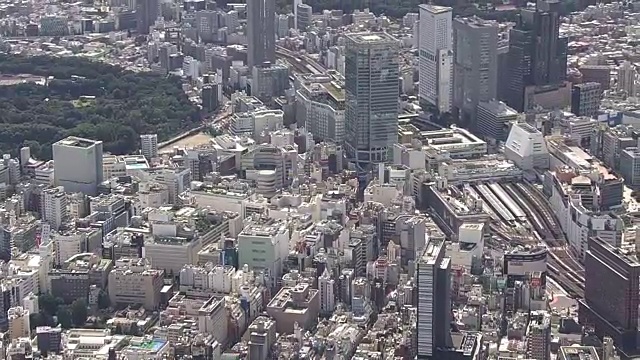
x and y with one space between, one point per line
122 104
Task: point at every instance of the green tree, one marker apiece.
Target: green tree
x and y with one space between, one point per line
64 317
126 104
103 300
35 320
49 304
79 312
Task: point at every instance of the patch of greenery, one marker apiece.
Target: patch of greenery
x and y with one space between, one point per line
126 105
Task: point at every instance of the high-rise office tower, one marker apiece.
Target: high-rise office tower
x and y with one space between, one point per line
475 66
537 55
436 53
627 78
372 89
146 14
149 145
77 165
434 300
585 99
261 32
612 293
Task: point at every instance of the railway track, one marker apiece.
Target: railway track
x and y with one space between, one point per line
539 205
562 267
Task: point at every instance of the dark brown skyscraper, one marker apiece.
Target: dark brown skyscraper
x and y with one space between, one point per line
611 293
261 33
146 14
537 54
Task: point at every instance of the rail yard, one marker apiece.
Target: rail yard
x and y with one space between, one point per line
518 209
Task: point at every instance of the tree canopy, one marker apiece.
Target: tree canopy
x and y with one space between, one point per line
126 104
79 312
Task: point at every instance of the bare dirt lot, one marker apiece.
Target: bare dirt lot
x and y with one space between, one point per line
190 141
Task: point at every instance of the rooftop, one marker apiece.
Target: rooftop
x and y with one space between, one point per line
74 141
370 38
435 9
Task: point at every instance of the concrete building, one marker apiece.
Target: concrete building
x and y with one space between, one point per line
262 336
303 17
261 33
68 284
526 147
434 299
475 66
585 99
19 325
212 319
49 339
149 145
269 80
630 166
580 352
539 335
299 304
264 247
54 207
320 101
78 164
436 57
493 120
611 294
597 73
326 285
134 281
627 78
371 78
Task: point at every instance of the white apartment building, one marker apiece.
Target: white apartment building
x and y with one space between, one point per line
327 297
627 78
78 164
135 281
152 194
253 123
212 319
436 56
191 67
44 174
149 145
68 245
54 205
19 325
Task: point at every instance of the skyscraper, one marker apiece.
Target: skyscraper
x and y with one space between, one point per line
611 294
146 14
537 55
436 53
372 89
77 165
261 32
434 299
475 69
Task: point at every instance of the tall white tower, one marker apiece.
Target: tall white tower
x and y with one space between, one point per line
436 56
149 145
627 78
327 297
